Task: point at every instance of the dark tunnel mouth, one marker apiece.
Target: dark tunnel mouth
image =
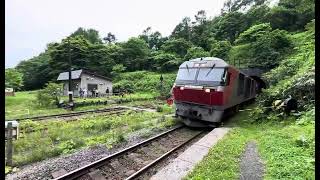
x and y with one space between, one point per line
261 83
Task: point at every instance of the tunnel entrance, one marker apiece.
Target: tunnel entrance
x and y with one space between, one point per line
261 84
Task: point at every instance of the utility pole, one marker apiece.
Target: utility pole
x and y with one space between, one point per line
161 85
70 69
9 145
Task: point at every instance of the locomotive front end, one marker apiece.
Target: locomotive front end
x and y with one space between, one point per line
199 91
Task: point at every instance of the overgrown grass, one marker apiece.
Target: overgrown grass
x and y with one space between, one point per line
134 96
24 104
286 147
53 138
145 81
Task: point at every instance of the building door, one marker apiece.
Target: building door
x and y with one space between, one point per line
91 87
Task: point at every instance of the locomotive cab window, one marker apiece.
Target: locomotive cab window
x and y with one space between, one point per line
226 78
211 76
187 74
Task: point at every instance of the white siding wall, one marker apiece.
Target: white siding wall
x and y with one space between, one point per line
96 80
66 87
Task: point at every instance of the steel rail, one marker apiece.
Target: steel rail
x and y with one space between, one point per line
145 168
96 164
35 118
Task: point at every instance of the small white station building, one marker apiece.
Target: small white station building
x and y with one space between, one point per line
85 80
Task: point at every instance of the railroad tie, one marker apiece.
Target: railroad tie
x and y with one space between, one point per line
58 173
96 175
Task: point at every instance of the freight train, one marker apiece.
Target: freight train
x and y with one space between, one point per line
208 89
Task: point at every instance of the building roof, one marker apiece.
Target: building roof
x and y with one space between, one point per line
76 74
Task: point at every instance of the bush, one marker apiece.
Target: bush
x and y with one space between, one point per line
143 81
49 96
69 146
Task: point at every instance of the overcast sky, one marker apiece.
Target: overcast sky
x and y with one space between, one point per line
31 24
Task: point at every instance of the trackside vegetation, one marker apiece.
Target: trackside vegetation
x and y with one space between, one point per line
25 104
66 137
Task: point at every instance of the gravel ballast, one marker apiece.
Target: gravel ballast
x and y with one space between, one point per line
45 168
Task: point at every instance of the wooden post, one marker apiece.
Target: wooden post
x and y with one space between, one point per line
9 145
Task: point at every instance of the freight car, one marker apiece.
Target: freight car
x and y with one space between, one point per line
208 89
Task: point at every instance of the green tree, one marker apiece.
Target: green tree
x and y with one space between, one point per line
229 26
165 62
36 71
220 49
176 46
13 79
236 5
134 54
259 46
196 52
153 39
59 53
183 29
291 15
91 35
117 69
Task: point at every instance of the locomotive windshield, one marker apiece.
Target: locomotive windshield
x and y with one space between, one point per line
208 74
187 74
201 76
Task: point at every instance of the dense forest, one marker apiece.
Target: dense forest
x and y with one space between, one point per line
246 33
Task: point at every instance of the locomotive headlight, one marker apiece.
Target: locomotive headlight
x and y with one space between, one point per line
181 88
220 89
207 90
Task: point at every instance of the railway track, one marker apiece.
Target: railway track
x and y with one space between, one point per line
38 118
134 161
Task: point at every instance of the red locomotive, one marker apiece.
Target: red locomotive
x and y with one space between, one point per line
207 89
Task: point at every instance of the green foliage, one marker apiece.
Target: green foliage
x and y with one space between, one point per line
165 62
182 30
134 54
66 137
13 79
7 169
295 75
36 71
153 39
196 52
69 146
307 118
220 49
254 33
143 81
259 46
291 15
91 35
117 69
49 96
229 26
176 46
